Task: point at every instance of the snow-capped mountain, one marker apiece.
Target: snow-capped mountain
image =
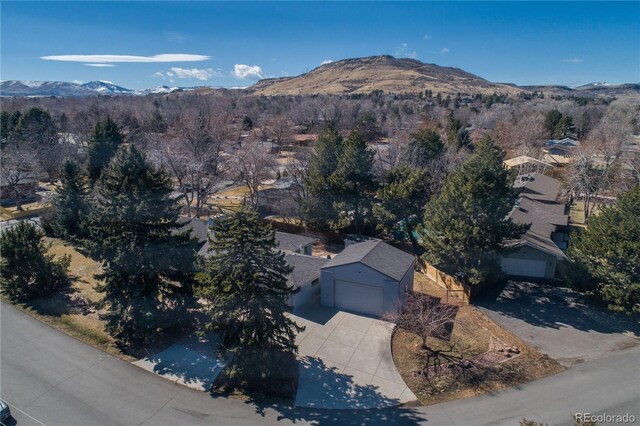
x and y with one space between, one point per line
106 87
66 89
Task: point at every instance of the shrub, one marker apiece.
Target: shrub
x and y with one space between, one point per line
27 271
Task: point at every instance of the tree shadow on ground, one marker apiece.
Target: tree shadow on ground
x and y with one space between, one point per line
554 307
326 396
191 361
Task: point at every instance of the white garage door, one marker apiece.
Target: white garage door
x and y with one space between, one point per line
523 267
361 298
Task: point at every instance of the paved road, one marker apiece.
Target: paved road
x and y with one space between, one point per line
559 322
50 378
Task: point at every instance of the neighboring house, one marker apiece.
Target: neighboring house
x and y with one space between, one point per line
538 251
279 201
295 243
370 278
539 187
559 151
23 183
305 277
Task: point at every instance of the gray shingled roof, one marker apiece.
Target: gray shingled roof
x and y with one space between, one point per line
537 186
198 228
544 218
378 256
305 268
292 242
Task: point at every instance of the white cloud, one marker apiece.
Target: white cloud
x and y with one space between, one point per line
572 60
158 74
252 72
426 37
403 52
100 65
326 61
101 59
444 50
199 74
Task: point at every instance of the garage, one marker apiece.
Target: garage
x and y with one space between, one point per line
524 267
369 277
358 297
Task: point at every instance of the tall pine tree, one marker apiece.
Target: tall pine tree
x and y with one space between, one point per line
317 208
466 225
104 142
148 264
354 185
424 146
606 256
69 203
244 284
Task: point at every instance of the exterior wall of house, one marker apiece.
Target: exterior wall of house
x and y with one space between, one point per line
307 292
530 253
358 273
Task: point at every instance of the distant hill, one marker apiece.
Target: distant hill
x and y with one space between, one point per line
386 73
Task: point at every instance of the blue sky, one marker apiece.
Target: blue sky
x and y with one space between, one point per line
144 44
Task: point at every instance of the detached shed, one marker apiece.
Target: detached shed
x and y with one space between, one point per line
371 278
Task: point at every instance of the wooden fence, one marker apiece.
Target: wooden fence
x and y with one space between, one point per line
453 287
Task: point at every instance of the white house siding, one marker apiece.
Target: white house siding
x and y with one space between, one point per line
307 293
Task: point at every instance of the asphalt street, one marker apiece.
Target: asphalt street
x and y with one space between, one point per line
49 378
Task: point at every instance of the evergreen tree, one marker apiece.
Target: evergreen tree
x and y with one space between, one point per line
317 208
564 127
244 284
402 200
466 224
551 120
4 127
456 133
424 146
606 256
353 184
103 144
69 203
26 270
148 263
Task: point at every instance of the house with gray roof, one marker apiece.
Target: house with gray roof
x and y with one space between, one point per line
537 253
305 278
295 243
539 187
369 277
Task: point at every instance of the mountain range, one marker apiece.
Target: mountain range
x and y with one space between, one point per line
66 89
344 77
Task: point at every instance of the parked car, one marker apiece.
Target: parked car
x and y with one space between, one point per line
5 411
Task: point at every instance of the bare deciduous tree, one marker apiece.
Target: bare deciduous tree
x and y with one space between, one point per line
424 316
254 164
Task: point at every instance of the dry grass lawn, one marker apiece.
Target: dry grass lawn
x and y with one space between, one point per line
71 311
576 211
470 337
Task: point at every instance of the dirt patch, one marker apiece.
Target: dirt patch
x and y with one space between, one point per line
478 357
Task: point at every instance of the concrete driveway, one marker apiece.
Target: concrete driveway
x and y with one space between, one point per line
191 362
346 361
559 321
